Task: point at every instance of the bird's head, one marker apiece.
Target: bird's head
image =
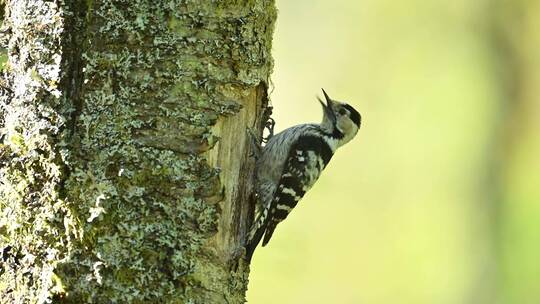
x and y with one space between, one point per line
340 119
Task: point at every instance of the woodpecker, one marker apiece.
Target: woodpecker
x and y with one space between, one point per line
292 161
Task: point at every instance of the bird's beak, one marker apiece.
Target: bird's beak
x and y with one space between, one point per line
327 108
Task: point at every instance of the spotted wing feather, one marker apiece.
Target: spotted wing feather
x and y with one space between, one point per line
307 157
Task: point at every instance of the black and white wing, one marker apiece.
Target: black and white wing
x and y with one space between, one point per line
306 159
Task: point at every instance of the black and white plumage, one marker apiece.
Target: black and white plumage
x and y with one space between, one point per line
292 161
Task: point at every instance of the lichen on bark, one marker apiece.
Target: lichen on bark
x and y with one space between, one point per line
124 128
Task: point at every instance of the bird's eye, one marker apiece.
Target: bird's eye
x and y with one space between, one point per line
342 111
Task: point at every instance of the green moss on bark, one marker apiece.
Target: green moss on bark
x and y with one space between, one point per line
33 215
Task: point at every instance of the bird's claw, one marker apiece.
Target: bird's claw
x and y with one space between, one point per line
269 125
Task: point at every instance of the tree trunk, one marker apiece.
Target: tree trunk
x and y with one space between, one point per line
125 163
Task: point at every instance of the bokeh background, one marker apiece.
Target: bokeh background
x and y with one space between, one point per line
437 200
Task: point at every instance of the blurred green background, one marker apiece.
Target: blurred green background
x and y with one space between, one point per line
437 200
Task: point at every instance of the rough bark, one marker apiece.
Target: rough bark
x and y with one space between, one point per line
125 166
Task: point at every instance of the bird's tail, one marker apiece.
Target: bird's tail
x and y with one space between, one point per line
268 232
256 233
